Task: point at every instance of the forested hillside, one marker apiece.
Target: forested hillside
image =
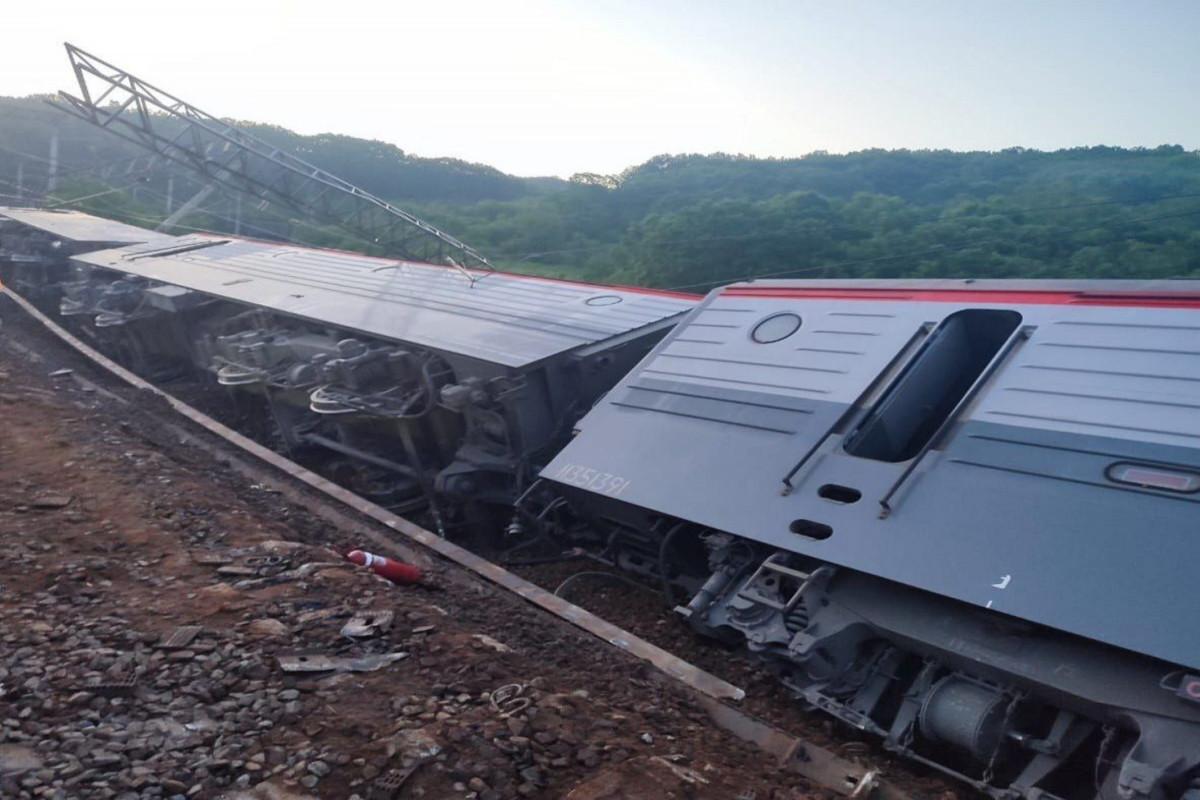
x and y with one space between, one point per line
694 221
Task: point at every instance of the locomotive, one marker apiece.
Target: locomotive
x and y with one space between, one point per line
957 515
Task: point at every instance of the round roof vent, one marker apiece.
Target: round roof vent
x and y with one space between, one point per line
776 328
603 300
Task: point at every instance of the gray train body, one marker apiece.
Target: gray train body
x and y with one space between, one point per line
436 386
964 516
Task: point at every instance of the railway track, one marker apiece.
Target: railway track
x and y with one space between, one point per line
859 776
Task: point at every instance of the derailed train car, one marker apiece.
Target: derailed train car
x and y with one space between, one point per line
36 246
435 386
961 515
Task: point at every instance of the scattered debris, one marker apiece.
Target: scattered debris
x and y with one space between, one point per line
853 750
49 500
483 638
416 744
211 559
61 373
366 624
268 565
508 700
268 627
389 784
394 571
303 571
315 615
322 663
181 638
683 773
236 571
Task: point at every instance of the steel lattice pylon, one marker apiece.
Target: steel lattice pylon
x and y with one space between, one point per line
221 153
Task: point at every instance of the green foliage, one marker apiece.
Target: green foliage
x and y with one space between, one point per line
696 221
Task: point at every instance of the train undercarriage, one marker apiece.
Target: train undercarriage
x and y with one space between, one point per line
1012 708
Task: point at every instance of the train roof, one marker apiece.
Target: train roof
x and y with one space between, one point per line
512 320
814 416
76 226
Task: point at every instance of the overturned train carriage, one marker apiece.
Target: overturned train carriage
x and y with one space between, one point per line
963 516
451 387
427 385
36 246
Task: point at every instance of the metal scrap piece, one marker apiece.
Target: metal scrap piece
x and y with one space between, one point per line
368 623
302 571
180 639
322 663
508 700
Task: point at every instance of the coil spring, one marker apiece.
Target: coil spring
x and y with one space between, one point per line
796 620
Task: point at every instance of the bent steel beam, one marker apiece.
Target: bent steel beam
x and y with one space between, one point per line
171 128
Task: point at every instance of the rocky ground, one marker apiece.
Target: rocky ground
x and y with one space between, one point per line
118 537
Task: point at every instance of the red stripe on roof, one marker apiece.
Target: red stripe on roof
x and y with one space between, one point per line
995 297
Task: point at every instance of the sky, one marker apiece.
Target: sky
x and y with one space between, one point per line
536 87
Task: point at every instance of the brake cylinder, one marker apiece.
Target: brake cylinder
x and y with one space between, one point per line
966 715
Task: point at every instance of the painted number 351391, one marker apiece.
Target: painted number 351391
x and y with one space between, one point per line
595 480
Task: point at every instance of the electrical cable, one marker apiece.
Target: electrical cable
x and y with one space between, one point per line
608 575
46 160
